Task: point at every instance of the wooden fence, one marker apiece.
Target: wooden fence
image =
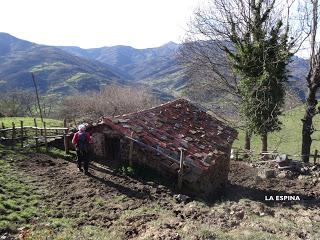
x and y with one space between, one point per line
240 154
39 135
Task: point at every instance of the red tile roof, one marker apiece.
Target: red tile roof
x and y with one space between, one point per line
177 124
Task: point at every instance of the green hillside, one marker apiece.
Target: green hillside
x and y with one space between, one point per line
57 72
288 140
159 69
138 64
172 83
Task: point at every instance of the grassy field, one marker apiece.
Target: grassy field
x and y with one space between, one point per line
18 201
28 121
288 140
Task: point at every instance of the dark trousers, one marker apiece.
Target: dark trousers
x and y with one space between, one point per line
83 159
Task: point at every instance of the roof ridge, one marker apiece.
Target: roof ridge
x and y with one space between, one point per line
150 109
178 100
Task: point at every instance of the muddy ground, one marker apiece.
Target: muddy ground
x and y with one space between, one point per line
124 207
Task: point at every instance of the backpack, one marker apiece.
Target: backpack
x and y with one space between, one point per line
83 143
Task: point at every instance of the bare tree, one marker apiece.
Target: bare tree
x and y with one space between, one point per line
17 103
211 34
110 101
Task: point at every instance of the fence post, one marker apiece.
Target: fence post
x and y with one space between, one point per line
36 138
21 133
131 150
237 154
3 127
315 156
65 137
45 136
13 136
180 172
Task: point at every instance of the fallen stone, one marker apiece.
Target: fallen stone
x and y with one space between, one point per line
304 170
266 173
180 198
283 160
282 157
239 214
282 175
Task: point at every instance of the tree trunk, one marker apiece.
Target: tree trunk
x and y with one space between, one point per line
247 143
306 138
264 141
313 80
307 125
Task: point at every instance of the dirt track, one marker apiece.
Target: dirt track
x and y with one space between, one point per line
151 211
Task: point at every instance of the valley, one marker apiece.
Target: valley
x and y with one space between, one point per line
66 70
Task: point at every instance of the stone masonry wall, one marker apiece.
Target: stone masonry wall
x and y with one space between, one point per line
206 184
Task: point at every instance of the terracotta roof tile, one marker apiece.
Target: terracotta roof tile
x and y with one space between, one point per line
177 124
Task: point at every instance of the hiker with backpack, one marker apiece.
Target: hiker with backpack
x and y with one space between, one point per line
82 141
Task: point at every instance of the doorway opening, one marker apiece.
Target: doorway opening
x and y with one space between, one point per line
112 148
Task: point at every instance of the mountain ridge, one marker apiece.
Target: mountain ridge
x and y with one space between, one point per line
56 70
159 68
138 63
68 69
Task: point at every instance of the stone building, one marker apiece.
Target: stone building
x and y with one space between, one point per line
156 137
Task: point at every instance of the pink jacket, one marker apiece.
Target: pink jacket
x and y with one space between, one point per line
76 137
